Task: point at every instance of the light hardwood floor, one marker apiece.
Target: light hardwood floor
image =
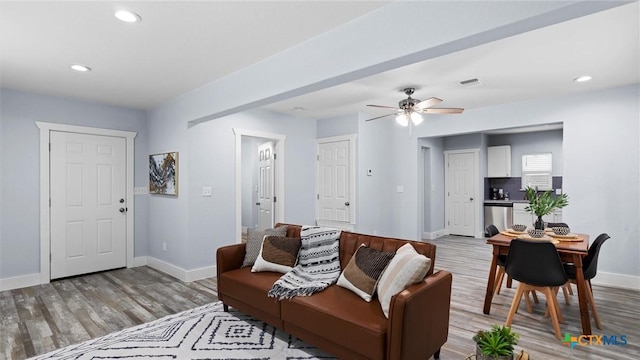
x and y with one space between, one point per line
39 319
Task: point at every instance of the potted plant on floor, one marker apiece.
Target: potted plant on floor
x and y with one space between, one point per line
495 344
543 204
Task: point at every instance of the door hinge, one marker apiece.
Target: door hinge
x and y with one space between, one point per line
49 202
49 147
274 156
318 196
275 199
318 157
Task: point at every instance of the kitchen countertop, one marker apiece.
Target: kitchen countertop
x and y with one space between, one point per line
504 202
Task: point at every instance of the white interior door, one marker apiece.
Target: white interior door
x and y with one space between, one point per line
461 168
88 203
265 185
334 161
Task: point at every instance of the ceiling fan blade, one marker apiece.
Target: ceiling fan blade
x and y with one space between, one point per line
442 111
379 117
428 103
384 107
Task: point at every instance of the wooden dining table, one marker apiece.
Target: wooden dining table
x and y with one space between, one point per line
569 251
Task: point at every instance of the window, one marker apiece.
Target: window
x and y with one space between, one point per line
536 171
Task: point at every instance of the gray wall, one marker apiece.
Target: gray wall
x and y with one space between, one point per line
20 142
587 168
250 163
194 226
531 143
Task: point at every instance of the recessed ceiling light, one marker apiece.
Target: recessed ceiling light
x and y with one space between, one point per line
128 16
582 78
298 108
81 68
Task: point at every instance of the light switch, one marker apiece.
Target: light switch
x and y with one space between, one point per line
206 191
399 188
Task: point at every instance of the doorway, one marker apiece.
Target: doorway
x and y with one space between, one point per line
461 191
105 142
248 179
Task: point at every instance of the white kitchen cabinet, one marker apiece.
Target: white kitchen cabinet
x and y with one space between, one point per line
499 161
520 216
555 216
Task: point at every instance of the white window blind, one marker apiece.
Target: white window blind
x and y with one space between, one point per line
536 171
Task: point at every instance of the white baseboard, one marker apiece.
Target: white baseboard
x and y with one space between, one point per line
433 235
178 272
139 261
19 282
617 280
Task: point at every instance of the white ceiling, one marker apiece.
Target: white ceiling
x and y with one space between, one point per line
179 47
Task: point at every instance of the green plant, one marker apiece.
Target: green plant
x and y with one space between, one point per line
498 341
543 204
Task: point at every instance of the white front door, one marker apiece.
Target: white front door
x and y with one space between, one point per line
88 203
265 185
461 168
334 162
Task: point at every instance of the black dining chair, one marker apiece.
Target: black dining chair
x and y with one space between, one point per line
589 270
492 230
537 266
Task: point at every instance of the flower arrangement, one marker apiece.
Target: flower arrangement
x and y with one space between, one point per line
543 204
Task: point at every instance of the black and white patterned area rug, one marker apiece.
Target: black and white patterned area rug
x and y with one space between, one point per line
202 333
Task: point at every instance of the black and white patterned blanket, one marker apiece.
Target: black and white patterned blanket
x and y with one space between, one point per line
318 264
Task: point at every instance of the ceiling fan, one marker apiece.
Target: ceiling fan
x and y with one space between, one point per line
410 109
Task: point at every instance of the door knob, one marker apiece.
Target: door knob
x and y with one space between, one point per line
121 201
470 199
122 210
258 203
346 203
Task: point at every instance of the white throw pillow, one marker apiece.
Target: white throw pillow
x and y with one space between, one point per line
407 267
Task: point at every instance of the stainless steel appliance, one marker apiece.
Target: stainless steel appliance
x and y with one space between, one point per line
499 214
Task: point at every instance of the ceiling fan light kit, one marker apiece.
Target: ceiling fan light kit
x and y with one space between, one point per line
410 109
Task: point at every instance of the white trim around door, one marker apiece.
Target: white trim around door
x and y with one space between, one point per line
478 203
279 175
45 219
347 226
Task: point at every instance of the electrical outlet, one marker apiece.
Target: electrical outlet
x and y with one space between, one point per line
143 190
206 191
164 246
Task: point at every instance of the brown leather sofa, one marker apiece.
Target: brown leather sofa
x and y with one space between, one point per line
338 321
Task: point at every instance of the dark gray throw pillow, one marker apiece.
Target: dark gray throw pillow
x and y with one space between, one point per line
254 242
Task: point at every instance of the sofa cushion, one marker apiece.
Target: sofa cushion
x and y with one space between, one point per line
254 242
407 267
363 271
251 288
277 254
340 316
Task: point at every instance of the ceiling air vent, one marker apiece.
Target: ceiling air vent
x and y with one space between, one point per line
475 82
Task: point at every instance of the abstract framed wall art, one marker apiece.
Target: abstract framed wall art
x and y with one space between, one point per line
163 173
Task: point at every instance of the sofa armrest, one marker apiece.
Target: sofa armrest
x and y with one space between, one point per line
418 322
229 257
